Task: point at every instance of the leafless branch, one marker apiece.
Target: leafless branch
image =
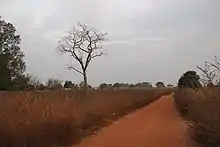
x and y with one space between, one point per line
82 44
70 67
97 55
216 63
210 71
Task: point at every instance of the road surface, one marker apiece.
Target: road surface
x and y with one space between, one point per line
156 125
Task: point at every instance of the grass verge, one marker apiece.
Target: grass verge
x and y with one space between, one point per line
201 109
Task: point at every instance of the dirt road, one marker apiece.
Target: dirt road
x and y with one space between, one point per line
156 125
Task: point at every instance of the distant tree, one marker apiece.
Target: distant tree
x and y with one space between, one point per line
143 85
131 85
68 84
83 44
103 86
160 85
81 85
110 86
148 84
26 82
169 85
20 82
116 85
90 86
34 82
12 64
41 87
189 79
210 72
54 84
121 86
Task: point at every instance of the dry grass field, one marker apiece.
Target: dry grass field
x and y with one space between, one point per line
202 111
62 118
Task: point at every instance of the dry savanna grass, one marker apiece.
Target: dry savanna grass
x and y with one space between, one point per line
62 118
201 109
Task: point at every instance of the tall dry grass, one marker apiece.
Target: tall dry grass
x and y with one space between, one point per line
201 109
62 118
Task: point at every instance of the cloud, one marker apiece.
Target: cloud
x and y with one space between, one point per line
122 42
148 40
136 41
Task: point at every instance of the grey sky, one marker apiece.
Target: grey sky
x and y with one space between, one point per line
148 40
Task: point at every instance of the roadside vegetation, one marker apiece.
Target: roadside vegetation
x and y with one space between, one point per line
198 100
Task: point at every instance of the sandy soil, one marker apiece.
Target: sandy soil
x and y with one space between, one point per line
156 125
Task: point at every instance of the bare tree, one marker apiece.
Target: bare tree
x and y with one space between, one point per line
211 72
54 84
208 74
83 44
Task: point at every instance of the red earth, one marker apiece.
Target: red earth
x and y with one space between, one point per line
156 125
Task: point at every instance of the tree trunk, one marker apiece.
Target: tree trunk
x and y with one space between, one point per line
85 84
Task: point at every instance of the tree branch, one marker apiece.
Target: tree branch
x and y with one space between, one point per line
70 67
209 72
98 55
82 44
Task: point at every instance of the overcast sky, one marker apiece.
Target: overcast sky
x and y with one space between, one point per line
148 40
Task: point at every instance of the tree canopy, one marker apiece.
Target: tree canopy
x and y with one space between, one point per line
69 84
12 64
160 84
54 84
103 86
189 79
